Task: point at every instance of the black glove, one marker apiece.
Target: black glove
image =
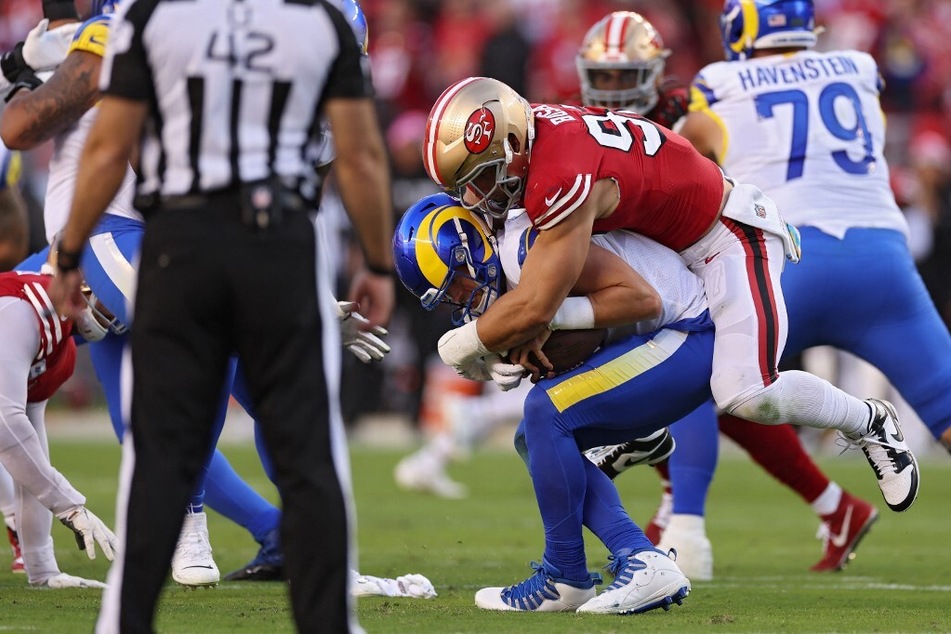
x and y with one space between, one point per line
18 72
60 10
12 63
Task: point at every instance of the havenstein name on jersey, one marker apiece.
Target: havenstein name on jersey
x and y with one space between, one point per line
796 72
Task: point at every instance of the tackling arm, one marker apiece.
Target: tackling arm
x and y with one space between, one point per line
618 294
552 268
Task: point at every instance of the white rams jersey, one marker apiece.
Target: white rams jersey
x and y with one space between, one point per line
68 148
806 128
681 292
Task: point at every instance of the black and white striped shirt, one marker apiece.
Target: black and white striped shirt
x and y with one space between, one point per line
234 86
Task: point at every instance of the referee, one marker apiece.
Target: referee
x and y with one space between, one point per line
226 96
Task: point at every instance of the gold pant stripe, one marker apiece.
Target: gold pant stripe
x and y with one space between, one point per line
616 372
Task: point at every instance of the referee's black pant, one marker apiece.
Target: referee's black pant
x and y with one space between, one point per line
210 286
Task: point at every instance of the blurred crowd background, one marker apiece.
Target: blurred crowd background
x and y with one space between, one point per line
419 47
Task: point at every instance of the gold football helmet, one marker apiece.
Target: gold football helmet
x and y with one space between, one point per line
620 62
478 137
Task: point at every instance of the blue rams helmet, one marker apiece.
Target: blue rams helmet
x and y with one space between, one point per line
746 25
358 21
102 7
437 242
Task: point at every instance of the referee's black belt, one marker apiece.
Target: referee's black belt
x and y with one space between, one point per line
288 199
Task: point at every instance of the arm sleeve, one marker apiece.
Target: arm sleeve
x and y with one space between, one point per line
21 451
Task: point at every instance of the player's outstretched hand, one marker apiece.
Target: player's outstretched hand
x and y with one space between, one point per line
90 530
361 337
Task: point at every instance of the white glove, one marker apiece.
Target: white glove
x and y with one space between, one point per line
365 345
507 376
415 587
45 50
410 586
63 580
461 349
90 530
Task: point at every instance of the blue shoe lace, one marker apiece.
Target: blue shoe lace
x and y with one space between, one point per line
531 593
623 566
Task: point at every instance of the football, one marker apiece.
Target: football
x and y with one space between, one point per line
567 349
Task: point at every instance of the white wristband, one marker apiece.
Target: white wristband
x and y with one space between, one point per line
461 345
575 313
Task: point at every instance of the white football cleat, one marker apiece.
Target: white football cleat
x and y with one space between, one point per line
63 580
412 586
889 456
420 472
686 535
542 592
643 581
192 563
649 450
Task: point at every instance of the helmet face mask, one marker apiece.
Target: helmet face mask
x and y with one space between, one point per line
490 189
749 25
478 137
445 254
620 63
94 322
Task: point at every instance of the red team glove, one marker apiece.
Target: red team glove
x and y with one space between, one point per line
671 106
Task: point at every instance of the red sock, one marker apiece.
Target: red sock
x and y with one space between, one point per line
777 449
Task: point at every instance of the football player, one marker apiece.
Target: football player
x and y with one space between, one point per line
38 355
807 128
621 65
447 254
13 248
487 144
61 108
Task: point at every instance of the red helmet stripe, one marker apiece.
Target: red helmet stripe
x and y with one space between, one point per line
432 127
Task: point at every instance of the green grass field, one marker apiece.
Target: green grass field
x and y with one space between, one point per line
763 539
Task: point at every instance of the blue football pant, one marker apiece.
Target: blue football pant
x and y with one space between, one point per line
627 390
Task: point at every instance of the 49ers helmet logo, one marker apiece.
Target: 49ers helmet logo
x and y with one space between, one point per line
480 130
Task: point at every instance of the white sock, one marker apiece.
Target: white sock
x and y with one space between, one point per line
828 500
687 523
800 398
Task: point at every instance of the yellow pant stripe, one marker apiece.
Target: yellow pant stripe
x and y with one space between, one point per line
616 372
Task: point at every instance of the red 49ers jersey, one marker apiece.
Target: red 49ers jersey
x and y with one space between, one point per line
56 355
669 192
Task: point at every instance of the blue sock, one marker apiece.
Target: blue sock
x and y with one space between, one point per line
695 459
605 516
228 494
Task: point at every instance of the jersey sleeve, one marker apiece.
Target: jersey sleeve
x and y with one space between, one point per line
125 69
702 95
91 36
559 182
350 73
